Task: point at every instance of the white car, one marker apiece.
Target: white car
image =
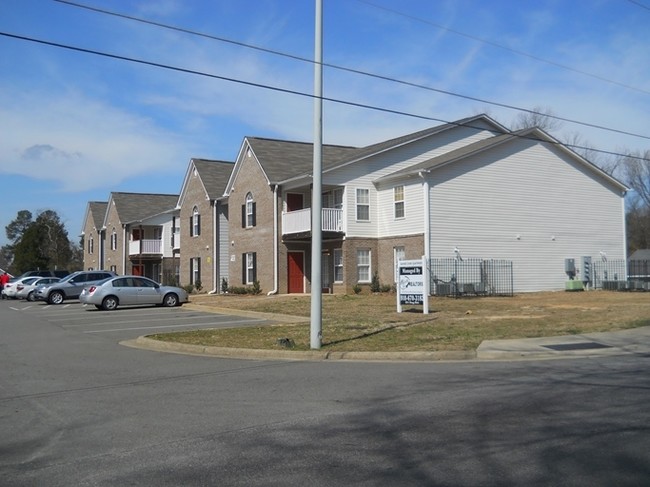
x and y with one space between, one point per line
16 284
26 291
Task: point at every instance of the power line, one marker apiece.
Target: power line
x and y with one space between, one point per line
290 92
349 70
506 48
639 4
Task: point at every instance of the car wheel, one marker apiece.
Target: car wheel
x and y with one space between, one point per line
109 303
30 296
170 300
98 306
56 297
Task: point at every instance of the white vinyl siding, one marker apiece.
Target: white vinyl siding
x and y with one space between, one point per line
526 203
362 176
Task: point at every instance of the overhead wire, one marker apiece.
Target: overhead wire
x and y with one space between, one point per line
506 48
289 91
352 70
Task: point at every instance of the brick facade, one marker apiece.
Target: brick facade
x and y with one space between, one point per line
197 246
258 238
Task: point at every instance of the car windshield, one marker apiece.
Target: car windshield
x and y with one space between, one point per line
69 277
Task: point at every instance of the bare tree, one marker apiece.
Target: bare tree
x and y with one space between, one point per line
538 117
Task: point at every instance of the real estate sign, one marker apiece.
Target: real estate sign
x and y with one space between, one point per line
413 284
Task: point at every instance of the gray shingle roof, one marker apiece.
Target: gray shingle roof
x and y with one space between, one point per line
215 175
98 212
135 207
284 160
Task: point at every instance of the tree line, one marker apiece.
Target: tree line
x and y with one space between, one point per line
38 244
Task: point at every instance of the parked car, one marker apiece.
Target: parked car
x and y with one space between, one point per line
131 290
26 291
11 288
70 287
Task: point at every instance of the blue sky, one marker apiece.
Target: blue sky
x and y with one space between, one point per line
76 126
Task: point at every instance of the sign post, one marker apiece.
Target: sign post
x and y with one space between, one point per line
413 284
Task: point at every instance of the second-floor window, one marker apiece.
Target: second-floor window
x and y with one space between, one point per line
363 204
91 245
398 199
114 240
248 210
195 223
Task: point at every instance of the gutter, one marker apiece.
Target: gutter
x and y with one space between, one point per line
275 242
215 263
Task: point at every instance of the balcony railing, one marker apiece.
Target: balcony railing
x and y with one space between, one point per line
299 221
145 246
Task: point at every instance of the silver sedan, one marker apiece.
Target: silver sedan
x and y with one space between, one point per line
131 290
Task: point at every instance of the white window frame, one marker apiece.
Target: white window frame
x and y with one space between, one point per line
250 267
249 210
91 245
196 226
338 265
398 202
196 272
364 260
114 240
362 196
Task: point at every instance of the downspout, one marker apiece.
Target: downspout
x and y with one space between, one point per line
124 243
215 227
427 214
275 242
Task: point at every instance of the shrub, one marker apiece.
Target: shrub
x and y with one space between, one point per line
224 285
198 286
189 288
356 289
375 286
256 289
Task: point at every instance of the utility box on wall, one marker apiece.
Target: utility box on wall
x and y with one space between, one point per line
570 268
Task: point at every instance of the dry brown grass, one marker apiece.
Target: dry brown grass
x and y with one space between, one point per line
371 322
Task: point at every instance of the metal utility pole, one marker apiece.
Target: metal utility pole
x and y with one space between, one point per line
316 199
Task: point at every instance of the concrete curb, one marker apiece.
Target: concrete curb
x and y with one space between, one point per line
313 355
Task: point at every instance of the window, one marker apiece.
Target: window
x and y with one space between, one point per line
114 240
363 265
248 212
399 254
195 223
398 198
195 270
338 265
91 245
363 204
249 268
114 269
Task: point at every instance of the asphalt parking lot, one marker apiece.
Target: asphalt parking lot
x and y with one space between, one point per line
126 322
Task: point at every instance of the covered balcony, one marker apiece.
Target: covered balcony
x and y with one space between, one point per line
297 224
146 246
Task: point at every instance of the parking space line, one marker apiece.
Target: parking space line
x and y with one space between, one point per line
173 326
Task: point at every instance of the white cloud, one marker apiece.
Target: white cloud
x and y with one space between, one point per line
79 143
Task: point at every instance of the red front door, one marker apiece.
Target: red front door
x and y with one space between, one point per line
296 266
138 270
